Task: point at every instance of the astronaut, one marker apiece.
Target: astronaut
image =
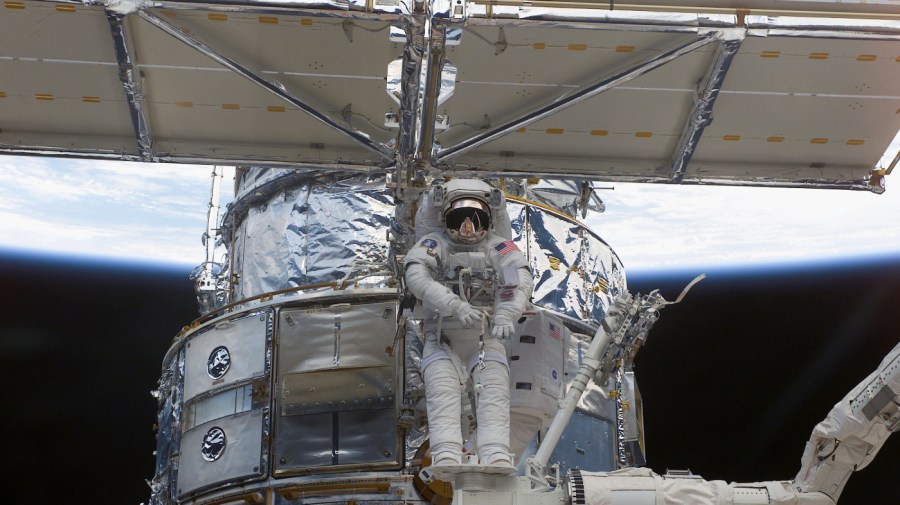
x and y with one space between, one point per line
474 285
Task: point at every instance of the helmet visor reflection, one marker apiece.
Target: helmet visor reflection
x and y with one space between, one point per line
470 208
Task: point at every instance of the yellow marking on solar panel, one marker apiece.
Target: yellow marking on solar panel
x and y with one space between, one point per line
818 140
731 137
65 8
217 16
184 104
90 99
643 135
555 131
599 133
14 5
770 54
521 130
306 22
2 94
539 45
231 106
866 57
897 59
855 142
775 139
171 14
269 20
577 47
43 96
624 49
818 56
275 108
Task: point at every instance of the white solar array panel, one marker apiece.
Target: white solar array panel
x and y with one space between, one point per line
804 93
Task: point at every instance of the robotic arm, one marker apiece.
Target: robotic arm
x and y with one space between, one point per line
853 432
847 440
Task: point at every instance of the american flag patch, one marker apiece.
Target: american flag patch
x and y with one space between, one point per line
506 247
554 332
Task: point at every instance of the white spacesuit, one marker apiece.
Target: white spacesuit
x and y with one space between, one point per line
465 275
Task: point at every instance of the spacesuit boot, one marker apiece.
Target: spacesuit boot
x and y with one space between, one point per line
490 376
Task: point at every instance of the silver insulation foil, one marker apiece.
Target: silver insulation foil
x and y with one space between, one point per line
575 272
131 78
307 230
293 229
413 413
170 402
651 21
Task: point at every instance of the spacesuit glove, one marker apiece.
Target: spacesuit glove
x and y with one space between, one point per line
503 328
467 315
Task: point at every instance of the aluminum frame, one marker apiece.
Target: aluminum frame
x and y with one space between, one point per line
131 82
702 113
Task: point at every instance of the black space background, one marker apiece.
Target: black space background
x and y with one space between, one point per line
733 379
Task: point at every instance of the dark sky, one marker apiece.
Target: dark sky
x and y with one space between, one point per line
733 379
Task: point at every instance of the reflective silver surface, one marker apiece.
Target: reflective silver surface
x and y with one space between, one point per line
858 26
244 339
413 412
614 19
702 113
355 9
168 431
337 414
363 388
131 81
307 230
575 272
241 458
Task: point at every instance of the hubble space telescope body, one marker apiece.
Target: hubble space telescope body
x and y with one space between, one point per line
301 382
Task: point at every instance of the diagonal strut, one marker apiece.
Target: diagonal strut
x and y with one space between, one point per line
130 77
701 114
582 94
276 88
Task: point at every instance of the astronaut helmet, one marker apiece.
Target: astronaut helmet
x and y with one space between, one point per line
466 212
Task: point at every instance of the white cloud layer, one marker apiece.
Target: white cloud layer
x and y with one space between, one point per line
124 210
662 227
158 213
